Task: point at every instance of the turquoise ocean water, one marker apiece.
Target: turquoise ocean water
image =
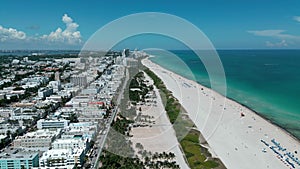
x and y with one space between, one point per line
266 81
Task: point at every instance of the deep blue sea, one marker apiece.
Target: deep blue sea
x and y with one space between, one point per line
266 81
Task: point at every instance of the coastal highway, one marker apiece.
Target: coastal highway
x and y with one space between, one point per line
102 138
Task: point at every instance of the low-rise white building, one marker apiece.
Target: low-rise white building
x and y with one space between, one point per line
66 158
79 101
85 129
45 92
70 143
8 112
56 85
54 98
60 123
39 140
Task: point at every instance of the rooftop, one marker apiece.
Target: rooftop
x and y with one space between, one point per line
69 140
46 133
17 154
59 153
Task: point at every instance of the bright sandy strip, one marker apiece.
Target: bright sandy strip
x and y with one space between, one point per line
161 136
235 139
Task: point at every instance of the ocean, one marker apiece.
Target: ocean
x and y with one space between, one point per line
266 81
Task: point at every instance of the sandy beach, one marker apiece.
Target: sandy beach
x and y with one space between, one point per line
160 137
237 135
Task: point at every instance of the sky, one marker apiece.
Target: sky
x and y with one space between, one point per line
228 24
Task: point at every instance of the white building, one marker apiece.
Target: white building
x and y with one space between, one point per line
39 140
80 80
8 112
85 129
56 85
26 112
79 101
56 98
65 158
70 143
90 91
15 61
45 92
44 124
57 76
25 59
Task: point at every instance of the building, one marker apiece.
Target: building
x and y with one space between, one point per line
126 53
2 96
26 112
79 101
87 130
56 85
39 140
90 91
80 80
25 59
15 62
70 143
44 124
45 92
57 76
62 157
18 159
8 112
56 98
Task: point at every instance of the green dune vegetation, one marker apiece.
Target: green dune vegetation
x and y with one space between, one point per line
118 152
196 155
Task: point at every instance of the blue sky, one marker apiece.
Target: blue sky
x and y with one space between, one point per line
230 24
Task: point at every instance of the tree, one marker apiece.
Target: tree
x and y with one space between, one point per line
8 133
73 118
139 146
18 88
14 99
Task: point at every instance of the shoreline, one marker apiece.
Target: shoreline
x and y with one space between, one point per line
234 100
236 135
265 118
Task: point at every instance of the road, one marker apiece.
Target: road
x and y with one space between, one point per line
102 138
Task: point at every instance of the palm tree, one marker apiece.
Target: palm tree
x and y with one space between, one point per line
164 155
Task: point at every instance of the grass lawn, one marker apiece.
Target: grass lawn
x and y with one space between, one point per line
192 150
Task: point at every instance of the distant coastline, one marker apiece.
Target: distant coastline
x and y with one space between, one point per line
22 53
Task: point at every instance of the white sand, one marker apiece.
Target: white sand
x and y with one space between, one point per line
235 139
161 136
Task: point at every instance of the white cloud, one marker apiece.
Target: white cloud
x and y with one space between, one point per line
60 38
273 33
297 18
285 39
282 43
7 34
67 19
69 35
